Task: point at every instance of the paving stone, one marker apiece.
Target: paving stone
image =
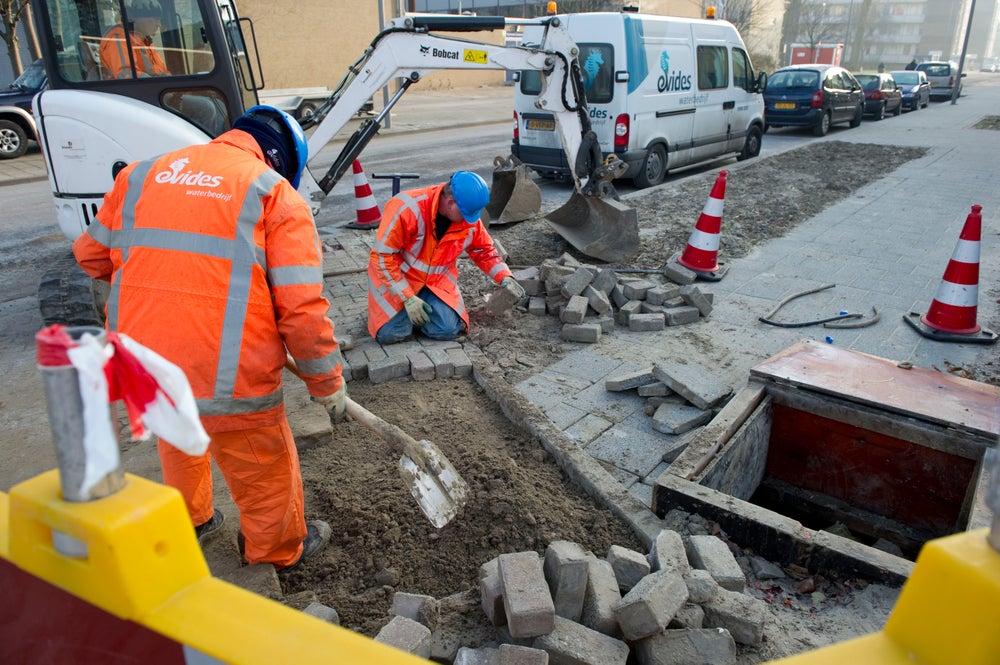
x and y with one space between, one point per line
587 428
642 492
654 389
743 616
650 605
627 311
597 300
406 635
613 406
574 311
419 607
662 293
260 578
636 289
387 369
563 415
577 282
323 613
421 367
679 418
444 368
501 301
586 333
492 597
712 554
689 616
605 281
687 647
536 306
629 380
529 607
651 477
646 322
702 587
695 383
358 361
607 324
565 569
675 272
629 566
460 624
601 597
632 446
512 654
461 361
681 316
482 656
617 296
570 643
667 552
693 296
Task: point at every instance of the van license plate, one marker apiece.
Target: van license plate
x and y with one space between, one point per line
784 105
540 124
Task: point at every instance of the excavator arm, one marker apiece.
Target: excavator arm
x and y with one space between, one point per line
407 49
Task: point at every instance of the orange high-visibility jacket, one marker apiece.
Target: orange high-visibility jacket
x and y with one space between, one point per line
215 264
114 55
407 256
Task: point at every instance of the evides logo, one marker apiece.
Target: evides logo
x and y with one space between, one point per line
178 176
671 82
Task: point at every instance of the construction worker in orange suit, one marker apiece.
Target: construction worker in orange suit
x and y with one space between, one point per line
413 265
215 264
145 16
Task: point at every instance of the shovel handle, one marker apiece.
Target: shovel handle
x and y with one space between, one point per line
391 434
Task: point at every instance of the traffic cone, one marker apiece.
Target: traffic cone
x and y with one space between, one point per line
952 314
702 251
367 209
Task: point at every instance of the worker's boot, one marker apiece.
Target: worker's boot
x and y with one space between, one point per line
203 531
317 536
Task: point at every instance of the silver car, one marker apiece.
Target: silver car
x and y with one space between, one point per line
943 77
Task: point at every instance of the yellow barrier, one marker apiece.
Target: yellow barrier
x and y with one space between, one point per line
946 614
143 567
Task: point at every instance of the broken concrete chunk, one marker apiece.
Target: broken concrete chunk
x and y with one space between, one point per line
629 380
679 418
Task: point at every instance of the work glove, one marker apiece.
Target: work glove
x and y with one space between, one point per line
514 287
335 405
418 311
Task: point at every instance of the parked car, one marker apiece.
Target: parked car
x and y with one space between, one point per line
915 87
881 95
17 125
814 96
943 77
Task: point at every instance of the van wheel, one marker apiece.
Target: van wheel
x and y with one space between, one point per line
858 115
751 148
653 169
823 126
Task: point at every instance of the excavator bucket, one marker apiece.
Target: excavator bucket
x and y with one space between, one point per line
599 227
513 195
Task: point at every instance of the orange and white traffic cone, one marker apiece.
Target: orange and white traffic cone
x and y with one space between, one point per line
702 251
952 314
368 215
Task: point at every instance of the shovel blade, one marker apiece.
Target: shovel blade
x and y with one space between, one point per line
514 197
434 483
599 227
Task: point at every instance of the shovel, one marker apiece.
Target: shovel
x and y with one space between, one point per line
431 478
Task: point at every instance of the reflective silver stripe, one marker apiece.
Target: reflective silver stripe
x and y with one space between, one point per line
378 294
294 275
320 365
147 61
497 269
228 406
132 193
240 278
411 204
182 241
100 234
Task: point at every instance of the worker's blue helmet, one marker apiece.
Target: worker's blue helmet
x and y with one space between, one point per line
281 138
471 194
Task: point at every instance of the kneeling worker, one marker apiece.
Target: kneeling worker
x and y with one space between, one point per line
413 266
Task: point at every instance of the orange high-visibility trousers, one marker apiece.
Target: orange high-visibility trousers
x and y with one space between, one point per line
261 467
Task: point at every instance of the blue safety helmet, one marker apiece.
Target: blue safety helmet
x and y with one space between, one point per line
471 194
280 138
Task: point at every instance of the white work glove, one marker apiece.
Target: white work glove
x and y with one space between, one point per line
512 285
418 311
335 404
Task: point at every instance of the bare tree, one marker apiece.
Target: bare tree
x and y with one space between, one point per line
815 26
11 13
746 15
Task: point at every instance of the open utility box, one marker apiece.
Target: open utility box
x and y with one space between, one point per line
822 435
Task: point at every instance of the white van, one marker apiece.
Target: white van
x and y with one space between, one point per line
663 92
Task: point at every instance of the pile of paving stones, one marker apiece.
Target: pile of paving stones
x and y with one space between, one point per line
682 604
592 300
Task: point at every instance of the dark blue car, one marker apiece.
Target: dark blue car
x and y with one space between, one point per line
17 125
915 87
813 96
